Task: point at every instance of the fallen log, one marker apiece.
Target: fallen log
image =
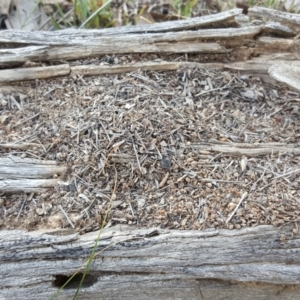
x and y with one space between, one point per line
66 36
171 42
153 264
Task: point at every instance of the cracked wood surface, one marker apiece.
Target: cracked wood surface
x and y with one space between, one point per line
28 174
154 263
169 42
64 37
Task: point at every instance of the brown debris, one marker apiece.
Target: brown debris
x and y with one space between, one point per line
143 127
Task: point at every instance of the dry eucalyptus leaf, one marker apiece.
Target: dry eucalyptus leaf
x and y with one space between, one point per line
4 7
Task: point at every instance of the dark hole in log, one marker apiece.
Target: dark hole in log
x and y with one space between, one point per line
60 280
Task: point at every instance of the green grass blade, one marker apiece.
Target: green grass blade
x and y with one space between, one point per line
95 13
55 24
113 197
92 255
61 14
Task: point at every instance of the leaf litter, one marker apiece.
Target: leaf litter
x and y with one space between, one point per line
192 149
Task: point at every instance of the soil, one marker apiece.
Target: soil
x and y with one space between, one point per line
145 145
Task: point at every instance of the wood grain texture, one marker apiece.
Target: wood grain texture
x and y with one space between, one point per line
10 75
76 39
28 175
275 15
34 73
64 37
76 47
251 150
154 264
117 69
287 73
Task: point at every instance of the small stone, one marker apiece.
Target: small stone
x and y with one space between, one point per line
40 211
116 203
141 202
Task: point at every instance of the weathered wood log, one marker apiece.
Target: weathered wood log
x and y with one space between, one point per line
278 29
230 149
258 68
287 74
46 53
255 149
170 42
34 73
28 175
63 37
144 66
26 185
115 41
153 264
275 15
267 45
